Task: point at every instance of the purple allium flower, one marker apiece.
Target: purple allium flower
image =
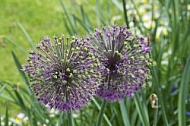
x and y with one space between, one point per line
125 58
63 76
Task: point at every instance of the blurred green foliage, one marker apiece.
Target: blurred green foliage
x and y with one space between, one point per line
167 24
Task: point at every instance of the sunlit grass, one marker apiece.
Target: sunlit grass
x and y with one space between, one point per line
39 18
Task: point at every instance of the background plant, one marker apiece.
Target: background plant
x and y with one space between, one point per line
166 22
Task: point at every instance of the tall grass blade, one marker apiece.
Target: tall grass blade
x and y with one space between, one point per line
103 106
20 100
71 22
183 92
134 117
99 13
124 113
6 97
27 35
118 5
67 27
86 19
2 88
70 118
125 14
141 110
12 97
82 24
104 115
159 93
155 116
0 120
61 120
6 118
108 12
19 67
15 44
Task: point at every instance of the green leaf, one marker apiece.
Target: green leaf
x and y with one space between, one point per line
2 88
100 115
99 108
124 113
12 97
20 100
183 92
70 118
82 24
85 18
6 118
23 76
27 35
67 27
125 14
68 17
99 13
159 93
141 110
15 44
118 5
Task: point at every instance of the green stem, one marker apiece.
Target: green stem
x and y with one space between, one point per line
141 110
156 115
104 115
125 14
70 118
124 113
159 93
100 116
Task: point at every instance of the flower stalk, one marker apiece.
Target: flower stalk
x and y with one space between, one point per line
100 116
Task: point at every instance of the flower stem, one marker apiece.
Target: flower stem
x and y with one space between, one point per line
100 116
159 92
70 118
156 115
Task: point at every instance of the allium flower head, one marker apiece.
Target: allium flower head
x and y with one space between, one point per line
63 76
125 58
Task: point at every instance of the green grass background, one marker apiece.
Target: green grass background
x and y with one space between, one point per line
39 18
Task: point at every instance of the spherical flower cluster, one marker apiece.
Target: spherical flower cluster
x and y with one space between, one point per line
63 76
125 58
